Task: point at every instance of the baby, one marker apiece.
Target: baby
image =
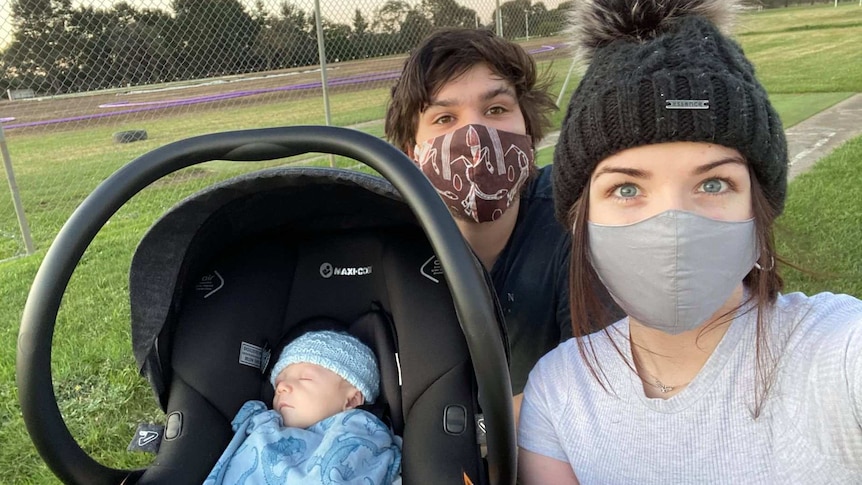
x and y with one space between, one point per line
314 433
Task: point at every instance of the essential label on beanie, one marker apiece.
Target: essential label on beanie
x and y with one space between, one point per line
687 104
250 355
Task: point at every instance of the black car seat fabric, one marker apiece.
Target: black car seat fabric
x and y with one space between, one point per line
283 259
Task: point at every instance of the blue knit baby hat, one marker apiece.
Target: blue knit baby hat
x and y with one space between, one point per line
339 352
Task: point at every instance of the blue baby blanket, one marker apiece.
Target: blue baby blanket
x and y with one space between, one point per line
352 447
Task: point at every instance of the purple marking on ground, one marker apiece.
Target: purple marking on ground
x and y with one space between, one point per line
154 105
6 120
544 48
358 79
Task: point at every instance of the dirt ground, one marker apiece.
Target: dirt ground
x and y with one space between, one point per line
86 105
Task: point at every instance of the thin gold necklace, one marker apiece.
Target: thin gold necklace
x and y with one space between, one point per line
656 382
663 388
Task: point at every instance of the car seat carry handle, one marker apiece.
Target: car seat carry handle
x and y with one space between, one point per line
471 296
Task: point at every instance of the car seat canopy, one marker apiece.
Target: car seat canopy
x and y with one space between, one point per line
207 222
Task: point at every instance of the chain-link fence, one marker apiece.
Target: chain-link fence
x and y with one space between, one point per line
87 86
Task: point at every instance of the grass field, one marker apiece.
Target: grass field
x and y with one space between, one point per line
808 58
820 229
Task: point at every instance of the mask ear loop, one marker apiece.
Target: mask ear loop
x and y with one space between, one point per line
771 265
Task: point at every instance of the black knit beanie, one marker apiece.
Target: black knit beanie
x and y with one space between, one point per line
661 71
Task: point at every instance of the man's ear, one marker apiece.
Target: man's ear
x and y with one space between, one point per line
354 399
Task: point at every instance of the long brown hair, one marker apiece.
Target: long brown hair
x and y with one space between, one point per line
763 285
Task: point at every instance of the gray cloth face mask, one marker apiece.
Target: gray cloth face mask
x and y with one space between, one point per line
674 270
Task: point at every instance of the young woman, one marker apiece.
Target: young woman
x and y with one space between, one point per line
671 169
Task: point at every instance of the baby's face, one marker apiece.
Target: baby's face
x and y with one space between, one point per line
307 393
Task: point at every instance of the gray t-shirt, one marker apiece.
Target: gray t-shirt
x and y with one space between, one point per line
810 429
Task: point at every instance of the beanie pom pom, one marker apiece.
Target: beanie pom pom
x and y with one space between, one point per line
596 23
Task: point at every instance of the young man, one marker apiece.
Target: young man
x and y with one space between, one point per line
468 109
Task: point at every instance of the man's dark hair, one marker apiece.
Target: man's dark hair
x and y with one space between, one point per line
449 53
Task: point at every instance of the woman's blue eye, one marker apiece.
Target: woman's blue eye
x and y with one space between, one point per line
627 191
713 186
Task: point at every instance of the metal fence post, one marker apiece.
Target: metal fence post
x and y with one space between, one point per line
321 52
16 196
499 20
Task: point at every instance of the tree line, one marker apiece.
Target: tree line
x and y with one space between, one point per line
57 48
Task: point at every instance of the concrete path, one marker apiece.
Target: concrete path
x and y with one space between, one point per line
816 137
809 140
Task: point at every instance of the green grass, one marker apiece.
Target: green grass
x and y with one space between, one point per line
805 50
793 108
806 57
798 18
820 229
78 160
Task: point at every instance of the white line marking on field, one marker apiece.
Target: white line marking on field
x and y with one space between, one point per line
804 153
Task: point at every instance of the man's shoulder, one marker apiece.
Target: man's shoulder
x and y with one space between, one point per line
538 242
541 185
537 203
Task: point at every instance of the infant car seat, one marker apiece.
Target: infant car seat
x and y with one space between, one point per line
222 281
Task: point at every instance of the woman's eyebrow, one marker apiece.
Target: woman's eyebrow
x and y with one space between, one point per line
631 172
711 165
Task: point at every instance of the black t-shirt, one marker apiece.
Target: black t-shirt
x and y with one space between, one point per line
531 278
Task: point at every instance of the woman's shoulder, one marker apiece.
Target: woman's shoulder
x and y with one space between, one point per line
822 323
818 299
818 382
820 311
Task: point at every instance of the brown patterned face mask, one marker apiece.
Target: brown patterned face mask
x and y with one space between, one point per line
476 169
